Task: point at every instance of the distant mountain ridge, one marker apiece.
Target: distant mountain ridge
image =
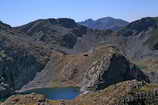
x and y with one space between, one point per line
62 33
105 23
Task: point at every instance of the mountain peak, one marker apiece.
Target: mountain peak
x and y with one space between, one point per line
89 20
104 23
65 22
103 18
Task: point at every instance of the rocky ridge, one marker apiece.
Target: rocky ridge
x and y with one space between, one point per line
105 23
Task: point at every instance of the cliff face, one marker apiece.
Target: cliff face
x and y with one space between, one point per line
112 67
20 60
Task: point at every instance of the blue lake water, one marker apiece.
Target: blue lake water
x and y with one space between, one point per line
57 93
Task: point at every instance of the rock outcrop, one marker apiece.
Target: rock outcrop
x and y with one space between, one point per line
112 67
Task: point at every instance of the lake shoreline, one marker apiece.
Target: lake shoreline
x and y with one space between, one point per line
56 93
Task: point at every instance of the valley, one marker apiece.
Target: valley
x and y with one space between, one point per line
107 65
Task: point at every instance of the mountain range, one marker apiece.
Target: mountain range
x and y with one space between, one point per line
60 52
105 23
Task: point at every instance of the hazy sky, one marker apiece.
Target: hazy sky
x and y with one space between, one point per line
17 12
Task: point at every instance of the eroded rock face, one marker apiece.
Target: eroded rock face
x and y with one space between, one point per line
110 69
20 60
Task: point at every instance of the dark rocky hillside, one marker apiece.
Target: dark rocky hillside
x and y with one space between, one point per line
64 34
20 60
105 23
138 26
139 38
59 33
139 41
55 32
